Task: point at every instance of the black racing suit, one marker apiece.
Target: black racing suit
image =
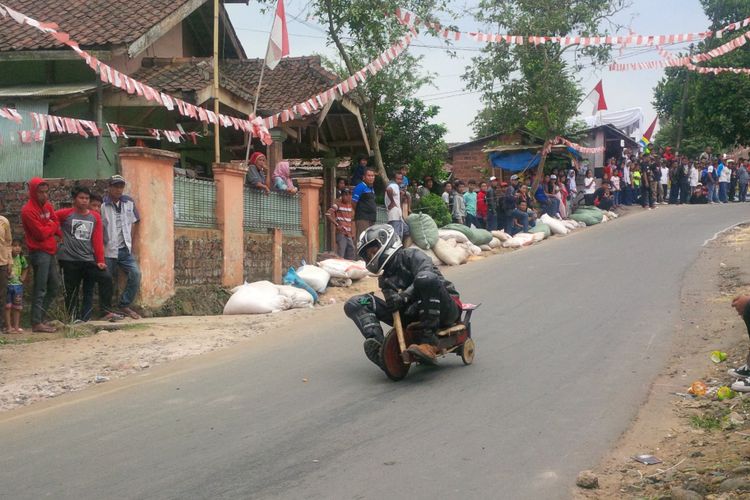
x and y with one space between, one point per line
426 296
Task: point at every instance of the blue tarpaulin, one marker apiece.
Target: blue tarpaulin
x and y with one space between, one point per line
515 161
518 161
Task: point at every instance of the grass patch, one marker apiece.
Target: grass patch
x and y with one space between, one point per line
707 422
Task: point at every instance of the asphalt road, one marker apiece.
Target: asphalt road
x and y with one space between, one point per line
569 337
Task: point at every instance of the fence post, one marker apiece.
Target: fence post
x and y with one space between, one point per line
230 181
150 177
310 200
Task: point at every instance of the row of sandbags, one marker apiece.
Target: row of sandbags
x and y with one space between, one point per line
453 247
301 287
591 215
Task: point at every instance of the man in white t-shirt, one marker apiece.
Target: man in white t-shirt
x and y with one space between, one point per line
664 183
393 204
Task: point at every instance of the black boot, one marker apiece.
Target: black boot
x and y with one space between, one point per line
372 348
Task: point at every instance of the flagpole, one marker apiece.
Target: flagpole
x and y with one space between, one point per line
217 143
257 96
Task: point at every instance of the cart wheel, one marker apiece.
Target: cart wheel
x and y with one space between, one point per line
393 364
467 352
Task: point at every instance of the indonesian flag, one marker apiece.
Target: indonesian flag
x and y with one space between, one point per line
278 45
596 97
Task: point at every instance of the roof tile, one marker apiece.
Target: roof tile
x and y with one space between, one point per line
92 23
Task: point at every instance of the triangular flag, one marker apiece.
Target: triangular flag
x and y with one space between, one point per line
278 45
596 97
646 140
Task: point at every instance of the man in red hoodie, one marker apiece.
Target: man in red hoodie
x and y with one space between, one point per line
40 226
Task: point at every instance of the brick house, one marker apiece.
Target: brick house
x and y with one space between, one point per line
470 161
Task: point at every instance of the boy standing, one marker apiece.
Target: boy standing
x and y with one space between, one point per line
14 304
340 214
459 206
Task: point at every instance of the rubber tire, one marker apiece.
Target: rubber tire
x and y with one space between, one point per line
390 353
467 352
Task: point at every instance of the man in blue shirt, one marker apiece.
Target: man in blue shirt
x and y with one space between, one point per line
363 201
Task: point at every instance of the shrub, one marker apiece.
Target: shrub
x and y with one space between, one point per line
434 206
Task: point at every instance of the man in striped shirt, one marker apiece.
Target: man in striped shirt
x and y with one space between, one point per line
340 214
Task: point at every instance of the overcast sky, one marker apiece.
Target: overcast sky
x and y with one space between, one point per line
458 108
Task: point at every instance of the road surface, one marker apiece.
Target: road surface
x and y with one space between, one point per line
569 337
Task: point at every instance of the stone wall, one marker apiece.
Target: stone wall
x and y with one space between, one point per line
259 254
16 194
198 255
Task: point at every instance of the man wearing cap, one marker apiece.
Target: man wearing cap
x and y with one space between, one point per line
119 214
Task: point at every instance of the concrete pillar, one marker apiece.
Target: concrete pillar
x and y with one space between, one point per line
274 153
230 181
150 177
310 200
277 257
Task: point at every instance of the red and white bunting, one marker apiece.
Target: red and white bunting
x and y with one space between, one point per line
109 75
578 147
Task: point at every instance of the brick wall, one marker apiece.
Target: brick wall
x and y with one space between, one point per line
198 256
259 252
16 194
468 160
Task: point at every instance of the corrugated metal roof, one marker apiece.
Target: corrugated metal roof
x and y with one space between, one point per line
46 90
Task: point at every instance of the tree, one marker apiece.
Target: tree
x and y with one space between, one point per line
710 110
362 29
534 86
410 138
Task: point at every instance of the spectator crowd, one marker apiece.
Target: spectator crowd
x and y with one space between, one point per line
649 179
78 248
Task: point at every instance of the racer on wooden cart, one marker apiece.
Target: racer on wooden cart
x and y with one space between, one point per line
410 284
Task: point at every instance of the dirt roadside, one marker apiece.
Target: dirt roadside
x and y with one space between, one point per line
704 443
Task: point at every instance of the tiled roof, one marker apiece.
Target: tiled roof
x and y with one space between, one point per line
294 80
92 23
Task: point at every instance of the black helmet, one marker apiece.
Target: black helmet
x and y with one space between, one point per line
385 239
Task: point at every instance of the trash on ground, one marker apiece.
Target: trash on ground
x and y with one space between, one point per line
725 392
698 388
718 356
647 459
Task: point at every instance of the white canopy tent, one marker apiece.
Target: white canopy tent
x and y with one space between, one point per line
630 120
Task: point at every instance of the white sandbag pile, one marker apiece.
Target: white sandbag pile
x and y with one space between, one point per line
501 235
298 297
495 243
450 253
261 299
520 240
434 258
451 234
317 278
342 268
555 225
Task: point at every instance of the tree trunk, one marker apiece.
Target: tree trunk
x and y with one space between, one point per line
372 130
540 167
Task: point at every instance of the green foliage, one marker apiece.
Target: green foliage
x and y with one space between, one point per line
534 86
434 206
716 105
409 138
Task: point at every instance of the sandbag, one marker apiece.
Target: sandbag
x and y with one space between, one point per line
587 218
570 224
538 237
501 235
298 298
555 225
519 240
451 256
435 260
611 215
342 268
485 248
291 278
314 276
452 243
340 282
476 236
256 300
447 234
471 248
495 243
542 229
424 231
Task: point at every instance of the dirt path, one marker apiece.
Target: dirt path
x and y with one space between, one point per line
704 443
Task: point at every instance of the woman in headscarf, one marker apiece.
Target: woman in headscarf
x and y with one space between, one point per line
282 178
256 174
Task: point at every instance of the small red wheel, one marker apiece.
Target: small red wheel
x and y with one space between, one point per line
393 363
